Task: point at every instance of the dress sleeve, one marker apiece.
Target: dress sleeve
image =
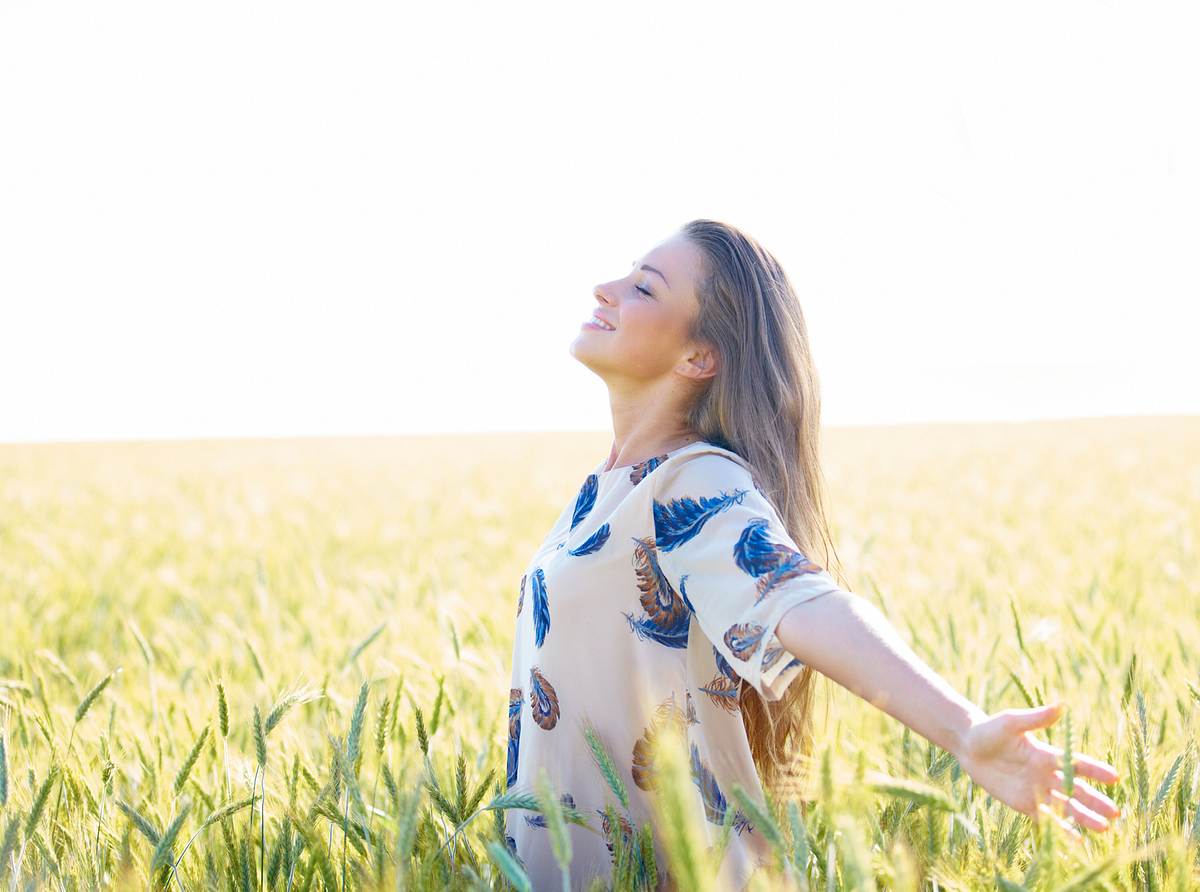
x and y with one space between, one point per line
724 549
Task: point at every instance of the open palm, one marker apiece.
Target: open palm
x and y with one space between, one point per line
1000 755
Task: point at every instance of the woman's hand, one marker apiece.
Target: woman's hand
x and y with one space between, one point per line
1025 773
848 639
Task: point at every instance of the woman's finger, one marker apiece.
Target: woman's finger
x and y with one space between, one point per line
1090 796
1086 765
1080 812
1095 769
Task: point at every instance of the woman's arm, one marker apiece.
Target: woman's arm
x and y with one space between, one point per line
845 637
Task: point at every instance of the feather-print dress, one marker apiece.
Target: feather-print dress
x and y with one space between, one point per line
657 590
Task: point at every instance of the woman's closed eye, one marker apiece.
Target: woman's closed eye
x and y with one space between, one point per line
639 287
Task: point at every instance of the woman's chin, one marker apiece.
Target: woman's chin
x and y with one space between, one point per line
586 354
579 353
580 347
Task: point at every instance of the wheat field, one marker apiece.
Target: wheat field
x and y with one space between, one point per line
284 664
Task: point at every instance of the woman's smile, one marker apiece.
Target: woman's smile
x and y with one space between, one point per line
598 323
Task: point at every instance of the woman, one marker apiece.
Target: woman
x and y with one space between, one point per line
676 588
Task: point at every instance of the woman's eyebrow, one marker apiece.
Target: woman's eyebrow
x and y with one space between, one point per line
652 270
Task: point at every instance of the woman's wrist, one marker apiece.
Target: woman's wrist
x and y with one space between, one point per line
967 716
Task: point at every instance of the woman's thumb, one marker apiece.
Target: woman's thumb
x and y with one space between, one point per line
1036 717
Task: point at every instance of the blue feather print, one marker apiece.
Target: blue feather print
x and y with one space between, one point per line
642 469
539 820
512 850
541 607
772 563
521 599
683 593
743 638
714 800
586 499
593 543
679 520
543 700
676 636
515 699
753 551
723 665
770 655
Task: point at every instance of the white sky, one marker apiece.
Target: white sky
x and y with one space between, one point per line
294 218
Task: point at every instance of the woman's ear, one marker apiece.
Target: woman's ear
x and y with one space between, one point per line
701 363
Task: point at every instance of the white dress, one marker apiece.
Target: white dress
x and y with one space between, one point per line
658 587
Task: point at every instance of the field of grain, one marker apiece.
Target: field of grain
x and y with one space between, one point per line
284 664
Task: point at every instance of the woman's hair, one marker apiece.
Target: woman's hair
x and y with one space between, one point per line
764 404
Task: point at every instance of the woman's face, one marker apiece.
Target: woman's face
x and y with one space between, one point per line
650 309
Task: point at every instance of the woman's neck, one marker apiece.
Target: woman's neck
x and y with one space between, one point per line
638 447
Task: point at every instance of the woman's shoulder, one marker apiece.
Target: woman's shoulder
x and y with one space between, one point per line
703 463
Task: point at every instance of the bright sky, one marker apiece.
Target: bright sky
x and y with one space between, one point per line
244 219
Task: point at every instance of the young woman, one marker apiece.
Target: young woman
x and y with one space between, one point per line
676 586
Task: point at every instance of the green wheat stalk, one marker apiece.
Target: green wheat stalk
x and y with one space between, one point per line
189 761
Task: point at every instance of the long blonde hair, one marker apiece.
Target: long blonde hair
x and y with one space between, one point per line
764 404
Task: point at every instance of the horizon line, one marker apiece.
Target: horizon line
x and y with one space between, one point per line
397 435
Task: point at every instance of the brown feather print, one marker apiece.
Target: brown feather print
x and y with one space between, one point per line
659 599
771 654
543 700
642 769
743 638
639 471
725 693
791 564
606 829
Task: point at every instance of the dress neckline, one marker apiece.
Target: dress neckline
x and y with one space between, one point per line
662 457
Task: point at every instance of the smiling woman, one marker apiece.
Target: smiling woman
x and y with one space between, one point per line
680 587
648 319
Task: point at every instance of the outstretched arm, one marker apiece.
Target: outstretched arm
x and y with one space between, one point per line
845 637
